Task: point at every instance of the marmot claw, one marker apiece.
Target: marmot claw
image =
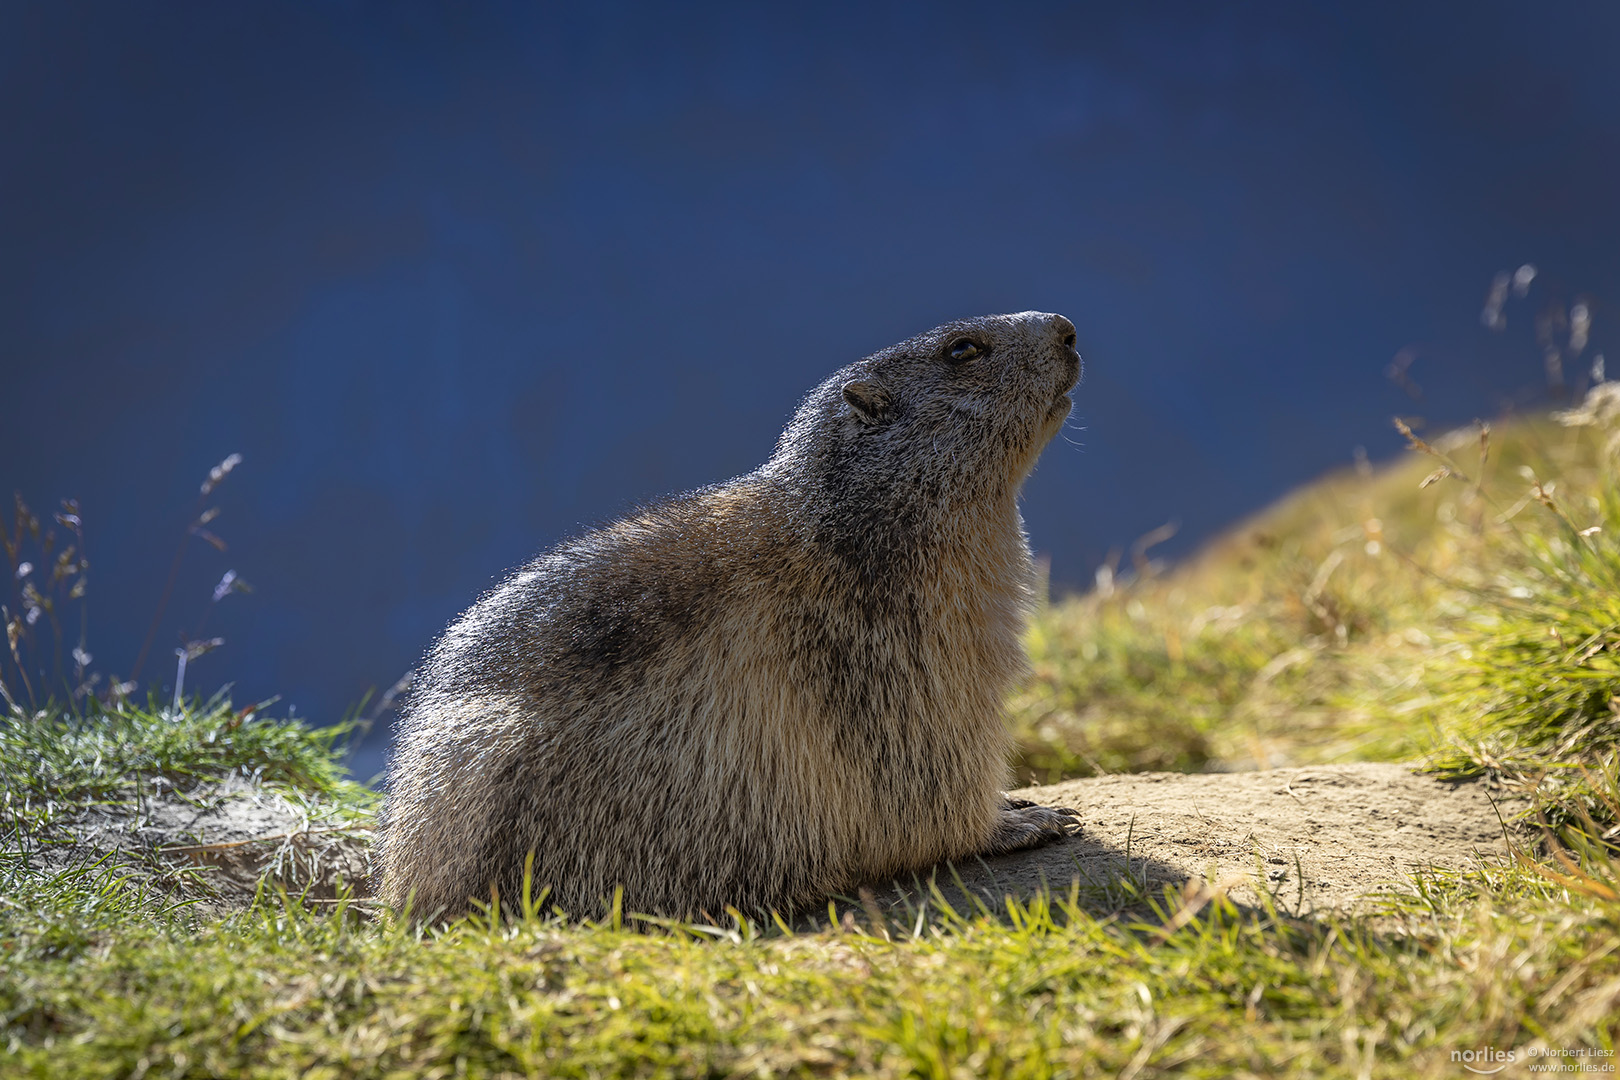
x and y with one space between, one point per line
1025 825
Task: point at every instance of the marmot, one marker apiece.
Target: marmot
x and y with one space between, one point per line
765 691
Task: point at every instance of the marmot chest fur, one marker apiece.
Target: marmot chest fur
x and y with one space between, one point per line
764 691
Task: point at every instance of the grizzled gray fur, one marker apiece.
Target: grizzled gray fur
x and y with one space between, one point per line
764 691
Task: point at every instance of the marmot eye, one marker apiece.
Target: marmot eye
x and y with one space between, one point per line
964 349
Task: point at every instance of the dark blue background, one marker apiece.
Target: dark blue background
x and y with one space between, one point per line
459 280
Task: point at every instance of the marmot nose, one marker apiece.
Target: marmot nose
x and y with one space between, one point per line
1064 329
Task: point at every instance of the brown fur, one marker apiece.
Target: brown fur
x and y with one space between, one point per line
764 691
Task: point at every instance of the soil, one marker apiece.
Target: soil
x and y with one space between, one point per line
213 843
1318 839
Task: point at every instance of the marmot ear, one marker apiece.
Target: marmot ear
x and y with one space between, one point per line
868 399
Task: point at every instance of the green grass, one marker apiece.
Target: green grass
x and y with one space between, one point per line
1363 617
1496 960
1472 623
53 761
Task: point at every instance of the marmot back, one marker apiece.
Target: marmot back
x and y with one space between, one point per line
761 692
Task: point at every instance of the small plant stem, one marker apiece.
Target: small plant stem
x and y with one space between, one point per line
163 600
179 679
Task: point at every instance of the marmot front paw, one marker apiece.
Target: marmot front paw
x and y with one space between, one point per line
1024 824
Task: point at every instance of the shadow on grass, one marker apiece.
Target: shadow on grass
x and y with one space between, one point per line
1080 874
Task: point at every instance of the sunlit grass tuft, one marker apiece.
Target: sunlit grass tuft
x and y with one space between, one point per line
53 761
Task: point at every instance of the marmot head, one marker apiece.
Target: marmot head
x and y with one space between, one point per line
957 414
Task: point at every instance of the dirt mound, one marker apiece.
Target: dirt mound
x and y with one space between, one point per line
1317 838
214 842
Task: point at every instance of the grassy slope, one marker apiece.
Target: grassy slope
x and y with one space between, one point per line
1483 963
1334 624
1490 646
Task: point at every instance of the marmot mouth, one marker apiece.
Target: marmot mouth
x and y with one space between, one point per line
1061 404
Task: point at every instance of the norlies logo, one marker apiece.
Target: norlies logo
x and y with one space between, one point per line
1484 1061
